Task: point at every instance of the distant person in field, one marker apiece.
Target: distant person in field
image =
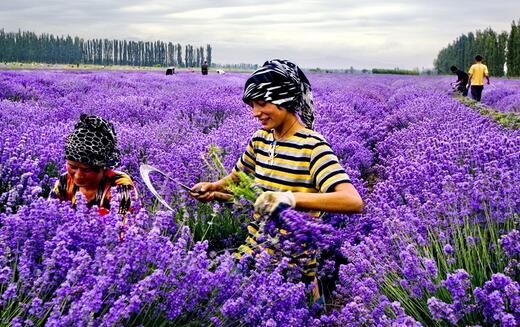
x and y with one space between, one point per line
292 163
462 80
477 72
204 68
91 151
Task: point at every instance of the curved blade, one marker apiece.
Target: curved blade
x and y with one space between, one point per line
145 171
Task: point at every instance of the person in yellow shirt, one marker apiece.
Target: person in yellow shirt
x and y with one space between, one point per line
476 73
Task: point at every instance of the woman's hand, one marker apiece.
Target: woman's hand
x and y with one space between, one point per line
268 201
203 191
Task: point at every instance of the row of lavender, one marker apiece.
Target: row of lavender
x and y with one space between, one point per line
503 95
439 166
420 159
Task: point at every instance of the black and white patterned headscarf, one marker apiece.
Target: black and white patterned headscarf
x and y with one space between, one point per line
93 142
282 83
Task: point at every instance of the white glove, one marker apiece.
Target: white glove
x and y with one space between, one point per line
268 201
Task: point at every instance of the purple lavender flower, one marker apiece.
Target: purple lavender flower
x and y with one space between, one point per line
511 243
448 250
420 159
499 299
458 285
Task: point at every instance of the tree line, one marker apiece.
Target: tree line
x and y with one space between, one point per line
498 50
396 71
26 46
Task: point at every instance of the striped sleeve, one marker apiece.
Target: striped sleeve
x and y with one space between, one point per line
247 161
325 169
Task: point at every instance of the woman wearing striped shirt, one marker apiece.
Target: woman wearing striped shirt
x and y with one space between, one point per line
290 161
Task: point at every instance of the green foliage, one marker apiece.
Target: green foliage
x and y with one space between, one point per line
507 119
213 161
513 50
221 224
245 188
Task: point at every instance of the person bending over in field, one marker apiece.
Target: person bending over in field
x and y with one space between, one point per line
91 151
461 82
290 161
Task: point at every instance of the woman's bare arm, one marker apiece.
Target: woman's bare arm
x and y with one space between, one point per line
344 199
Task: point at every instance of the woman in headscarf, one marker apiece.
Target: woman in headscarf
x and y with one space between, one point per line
290 161
91 151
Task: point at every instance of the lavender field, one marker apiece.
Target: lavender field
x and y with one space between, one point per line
438 243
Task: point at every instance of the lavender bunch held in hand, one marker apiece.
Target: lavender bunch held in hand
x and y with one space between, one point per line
298 230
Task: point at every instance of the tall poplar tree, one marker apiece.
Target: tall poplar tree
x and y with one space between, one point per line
513 49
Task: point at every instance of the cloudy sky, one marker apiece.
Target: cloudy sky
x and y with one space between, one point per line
327 34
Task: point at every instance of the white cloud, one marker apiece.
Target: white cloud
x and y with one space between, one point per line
404 33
